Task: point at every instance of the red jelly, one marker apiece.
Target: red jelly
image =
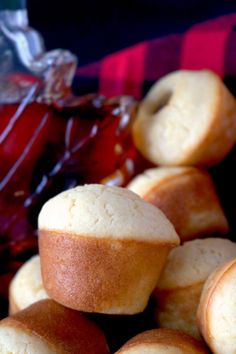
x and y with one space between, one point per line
46 149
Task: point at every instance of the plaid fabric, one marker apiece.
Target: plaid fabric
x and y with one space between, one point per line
132 71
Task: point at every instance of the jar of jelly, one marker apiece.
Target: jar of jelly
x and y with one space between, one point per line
50 139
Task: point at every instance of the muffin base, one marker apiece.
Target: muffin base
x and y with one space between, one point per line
98 274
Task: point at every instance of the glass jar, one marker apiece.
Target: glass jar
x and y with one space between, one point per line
50 140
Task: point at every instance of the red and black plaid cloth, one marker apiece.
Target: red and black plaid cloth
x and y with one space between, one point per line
211 44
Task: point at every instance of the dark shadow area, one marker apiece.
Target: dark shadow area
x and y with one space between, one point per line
93 29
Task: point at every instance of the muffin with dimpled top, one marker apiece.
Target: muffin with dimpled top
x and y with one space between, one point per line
102 249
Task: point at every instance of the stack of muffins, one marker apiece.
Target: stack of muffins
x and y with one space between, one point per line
107 250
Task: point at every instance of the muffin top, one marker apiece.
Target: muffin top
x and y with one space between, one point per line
162 341
97 210
143 183
27 285
193 261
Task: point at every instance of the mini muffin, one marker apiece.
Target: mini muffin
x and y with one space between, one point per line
217 310
187 118
27 286
102 249
162 341
179 288
49 328
187 196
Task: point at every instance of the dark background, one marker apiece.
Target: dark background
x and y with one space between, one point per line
91 29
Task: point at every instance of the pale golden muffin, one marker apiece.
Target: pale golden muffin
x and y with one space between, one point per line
49 328
179 288
187 118
187 196
102 249
216 314
163 341
27 286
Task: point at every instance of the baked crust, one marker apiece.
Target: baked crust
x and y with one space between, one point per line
177 308
100 275
188 198
164 339
219 336
63 330
177 126
179 288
